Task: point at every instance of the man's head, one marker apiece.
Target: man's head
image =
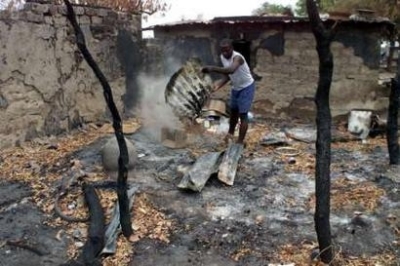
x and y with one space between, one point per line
226 48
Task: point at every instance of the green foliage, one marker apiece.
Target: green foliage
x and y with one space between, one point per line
301 9
267 8
385 8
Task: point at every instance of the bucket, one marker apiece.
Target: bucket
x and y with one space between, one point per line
359 123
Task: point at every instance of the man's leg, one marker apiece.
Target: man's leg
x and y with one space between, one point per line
233 120
244 102
244 125
233 117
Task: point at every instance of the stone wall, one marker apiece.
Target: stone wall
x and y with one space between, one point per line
46 87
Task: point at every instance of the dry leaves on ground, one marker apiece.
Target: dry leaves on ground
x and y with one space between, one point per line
347 194
147 222
301 255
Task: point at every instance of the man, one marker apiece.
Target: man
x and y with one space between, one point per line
236 70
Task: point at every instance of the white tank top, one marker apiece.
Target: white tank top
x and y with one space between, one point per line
242 77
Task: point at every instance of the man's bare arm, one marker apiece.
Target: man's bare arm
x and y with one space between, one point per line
220 83
237 61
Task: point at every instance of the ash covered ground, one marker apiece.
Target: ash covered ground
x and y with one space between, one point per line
266 217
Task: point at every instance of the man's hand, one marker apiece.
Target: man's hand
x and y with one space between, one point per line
215 86
206 69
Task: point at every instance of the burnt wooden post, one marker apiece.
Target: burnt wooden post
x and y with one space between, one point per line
392 137
323 38
123 160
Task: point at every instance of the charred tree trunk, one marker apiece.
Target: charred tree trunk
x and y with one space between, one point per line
323 38
125 218
392 124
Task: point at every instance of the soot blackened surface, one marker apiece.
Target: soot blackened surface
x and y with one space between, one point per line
21 221
11 193
220 222
129 54
275 44
364 46
177 51
267 207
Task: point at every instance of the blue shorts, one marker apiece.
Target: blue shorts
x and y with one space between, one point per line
241 100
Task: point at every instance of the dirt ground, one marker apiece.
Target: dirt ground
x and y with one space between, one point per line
265 218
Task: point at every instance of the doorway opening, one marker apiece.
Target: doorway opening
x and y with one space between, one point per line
243 47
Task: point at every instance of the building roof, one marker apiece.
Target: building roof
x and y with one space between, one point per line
352 19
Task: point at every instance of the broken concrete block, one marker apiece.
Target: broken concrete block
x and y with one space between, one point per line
196 178
110 154
173 138
229 164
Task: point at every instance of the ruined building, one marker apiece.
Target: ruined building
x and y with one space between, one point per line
281 53
46 88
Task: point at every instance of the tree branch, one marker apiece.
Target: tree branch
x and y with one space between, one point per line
123 159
